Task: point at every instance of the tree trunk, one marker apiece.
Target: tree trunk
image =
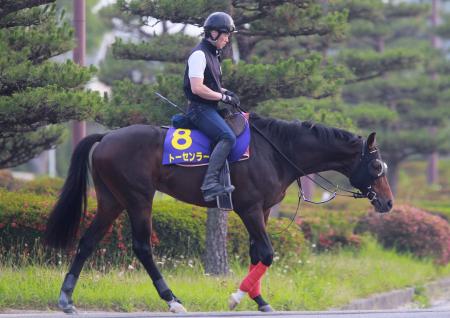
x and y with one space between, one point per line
433 158
216 257
79 56
246 45
432 170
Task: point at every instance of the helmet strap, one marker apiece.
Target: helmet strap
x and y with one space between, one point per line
209 37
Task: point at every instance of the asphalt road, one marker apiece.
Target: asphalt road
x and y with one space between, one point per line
425 313
440 308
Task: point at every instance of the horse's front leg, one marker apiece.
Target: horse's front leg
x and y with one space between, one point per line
261 254
255 292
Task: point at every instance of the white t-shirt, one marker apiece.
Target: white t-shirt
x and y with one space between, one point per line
197 64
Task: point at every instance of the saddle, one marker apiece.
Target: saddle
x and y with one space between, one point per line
236 121
190 147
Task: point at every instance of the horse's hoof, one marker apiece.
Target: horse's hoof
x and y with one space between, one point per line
65 304
68 308
233 301
175 307
266 308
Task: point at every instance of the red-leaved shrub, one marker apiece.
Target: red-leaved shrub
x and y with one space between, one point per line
409 229
328 238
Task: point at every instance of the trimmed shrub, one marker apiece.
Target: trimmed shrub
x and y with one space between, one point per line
409 229
179 230
43 185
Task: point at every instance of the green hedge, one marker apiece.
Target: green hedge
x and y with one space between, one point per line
179 231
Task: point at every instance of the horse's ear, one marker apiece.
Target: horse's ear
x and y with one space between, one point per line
371 141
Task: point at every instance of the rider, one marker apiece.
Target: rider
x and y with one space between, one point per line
203 89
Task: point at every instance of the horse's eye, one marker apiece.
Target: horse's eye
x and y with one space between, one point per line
376 168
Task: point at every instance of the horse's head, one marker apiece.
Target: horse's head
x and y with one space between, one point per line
369 176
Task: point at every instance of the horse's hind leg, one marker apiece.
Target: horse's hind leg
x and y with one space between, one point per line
108 210
141 224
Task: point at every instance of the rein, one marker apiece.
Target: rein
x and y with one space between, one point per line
356 195
301 194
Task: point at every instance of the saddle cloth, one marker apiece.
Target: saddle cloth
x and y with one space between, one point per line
190 147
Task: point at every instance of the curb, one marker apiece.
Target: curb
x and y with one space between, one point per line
438 288
398 298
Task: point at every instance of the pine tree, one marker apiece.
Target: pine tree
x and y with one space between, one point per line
36 94
401 104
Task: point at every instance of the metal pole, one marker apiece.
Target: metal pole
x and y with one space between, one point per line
79 53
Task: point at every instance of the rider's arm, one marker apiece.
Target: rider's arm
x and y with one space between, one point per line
197 65
198 88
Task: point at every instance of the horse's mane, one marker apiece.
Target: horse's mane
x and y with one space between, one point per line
286 130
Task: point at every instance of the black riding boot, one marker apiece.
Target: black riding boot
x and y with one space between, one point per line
211 186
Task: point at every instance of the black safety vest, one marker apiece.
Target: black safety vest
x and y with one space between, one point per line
212 75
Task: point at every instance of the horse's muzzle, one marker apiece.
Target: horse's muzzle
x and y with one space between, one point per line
382 206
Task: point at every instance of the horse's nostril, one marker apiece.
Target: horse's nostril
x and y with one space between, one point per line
390 204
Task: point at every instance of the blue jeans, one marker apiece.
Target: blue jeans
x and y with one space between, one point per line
206 119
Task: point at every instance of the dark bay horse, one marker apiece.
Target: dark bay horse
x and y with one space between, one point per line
126 169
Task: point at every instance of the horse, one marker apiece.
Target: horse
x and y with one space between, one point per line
126 168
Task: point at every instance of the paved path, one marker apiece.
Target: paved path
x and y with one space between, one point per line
426 313
443 304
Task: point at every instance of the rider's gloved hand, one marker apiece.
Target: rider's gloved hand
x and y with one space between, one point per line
231 99
230 93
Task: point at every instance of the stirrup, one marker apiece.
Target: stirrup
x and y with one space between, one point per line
216 191
225 201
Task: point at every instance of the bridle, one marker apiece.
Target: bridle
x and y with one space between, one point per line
370 168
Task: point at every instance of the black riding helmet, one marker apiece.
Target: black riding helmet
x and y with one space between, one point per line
219 21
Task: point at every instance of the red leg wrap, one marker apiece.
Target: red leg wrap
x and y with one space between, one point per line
256 290
252 279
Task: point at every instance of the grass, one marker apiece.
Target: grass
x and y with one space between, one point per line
317 283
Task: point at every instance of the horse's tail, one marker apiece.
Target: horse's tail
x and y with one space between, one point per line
64 220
